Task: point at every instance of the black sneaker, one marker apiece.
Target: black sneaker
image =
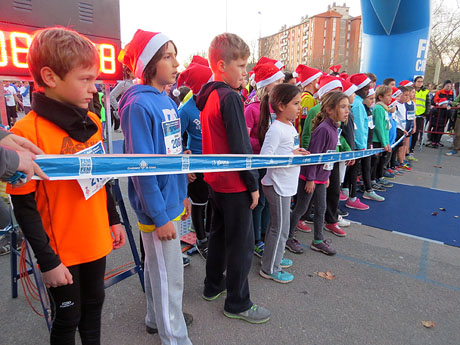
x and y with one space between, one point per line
342 213
378 187
188 321
186 261
202 249
5 246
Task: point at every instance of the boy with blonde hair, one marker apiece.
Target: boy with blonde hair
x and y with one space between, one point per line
69 229
233 194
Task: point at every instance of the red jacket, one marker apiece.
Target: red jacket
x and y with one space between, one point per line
224 132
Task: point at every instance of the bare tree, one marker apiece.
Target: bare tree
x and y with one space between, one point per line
444 41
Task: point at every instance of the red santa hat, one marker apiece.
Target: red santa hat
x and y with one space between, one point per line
348 88
194 77
359 79
307 74
327 83
265 74
443 101
335 68
406 83
343 75
144 45
264 60
200 60
371 92
393 103
395 92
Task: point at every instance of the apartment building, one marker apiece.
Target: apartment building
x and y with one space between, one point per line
323 40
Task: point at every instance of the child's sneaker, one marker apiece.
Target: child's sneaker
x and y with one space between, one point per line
202 249
378 187
412 158
259 249
342 213
302 225
185 261
335 229
343 223
294 246
383 182
398 171
286 263
255 314
389 175
373 196
323 247
280 277
342 196
5 246
213 297
405 167
346 192
451 153
357 205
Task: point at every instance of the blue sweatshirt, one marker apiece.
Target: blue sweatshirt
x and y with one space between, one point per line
144 112
361 123
190 122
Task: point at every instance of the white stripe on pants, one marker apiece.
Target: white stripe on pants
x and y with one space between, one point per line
164 285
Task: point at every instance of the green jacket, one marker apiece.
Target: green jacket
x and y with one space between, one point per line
382 125
307 130
307 126
455 103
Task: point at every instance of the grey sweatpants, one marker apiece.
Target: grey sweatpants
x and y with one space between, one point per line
301 206
164 285
277 234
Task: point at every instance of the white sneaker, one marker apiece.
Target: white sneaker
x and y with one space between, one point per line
343 222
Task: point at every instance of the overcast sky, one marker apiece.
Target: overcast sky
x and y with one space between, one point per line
193 24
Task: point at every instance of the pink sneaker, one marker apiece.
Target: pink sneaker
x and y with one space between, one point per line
303 226
335 229
342 196
358 205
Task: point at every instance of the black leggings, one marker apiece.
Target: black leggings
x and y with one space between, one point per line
332 196
351 175
419 121
79 305
379 163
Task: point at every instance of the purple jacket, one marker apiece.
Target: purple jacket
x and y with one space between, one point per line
323 139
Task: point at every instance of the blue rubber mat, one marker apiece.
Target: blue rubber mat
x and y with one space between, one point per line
409 210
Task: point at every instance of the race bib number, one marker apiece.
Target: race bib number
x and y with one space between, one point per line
92 185
370 122
296 141
172 135
410 115
329 166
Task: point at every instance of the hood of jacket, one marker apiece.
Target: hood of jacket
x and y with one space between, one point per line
206 90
